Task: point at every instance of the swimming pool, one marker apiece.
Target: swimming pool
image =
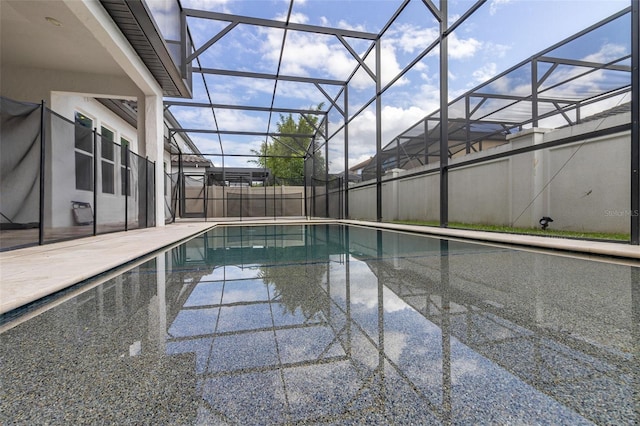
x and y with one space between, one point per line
334 324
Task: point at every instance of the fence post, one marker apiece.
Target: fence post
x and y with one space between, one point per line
180 186
95 181
281 200
306 213
206 200
155 218
126 187
635 124
146 192
340 197
42 167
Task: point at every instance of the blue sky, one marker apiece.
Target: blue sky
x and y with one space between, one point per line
500 35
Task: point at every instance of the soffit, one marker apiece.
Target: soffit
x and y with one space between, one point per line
29 40
137 25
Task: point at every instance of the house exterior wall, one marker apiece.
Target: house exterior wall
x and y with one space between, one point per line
583 186
127 78
61 176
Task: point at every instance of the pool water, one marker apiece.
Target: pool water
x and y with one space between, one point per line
329 324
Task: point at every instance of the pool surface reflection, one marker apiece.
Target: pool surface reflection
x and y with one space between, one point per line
328 324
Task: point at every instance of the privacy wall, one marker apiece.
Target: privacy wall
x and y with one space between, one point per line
583 183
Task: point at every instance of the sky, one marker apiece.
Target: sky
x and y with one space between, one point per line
498 36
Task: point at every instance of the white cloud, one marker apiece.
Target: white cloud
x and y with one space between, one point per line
497 4
194 118
323 56
210 5
584 85
227 119
453 18
362 130
247 146
347 26
394 341
485 72
298 18
420 66
307 54
463 48
242 145
207 144
607 53
412 39
389 66
510 86
496 50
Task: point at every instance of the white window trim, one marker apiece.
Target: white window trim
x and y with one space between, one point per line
82 151
108 161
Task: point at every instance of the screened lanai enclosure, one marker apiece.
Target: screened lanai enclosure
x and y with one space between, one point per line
418 96
451 113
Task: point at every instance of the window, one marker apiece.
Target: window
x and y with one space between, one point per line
124 147
107 178
107 148
107 153
125 170
83 152
164 167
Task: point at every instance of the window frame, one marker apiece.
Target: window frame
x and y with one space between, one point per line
125 169
83 157
107 162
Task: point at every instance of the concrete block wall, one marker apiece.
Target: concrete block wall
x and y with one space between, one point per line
583 186
362 203
218 196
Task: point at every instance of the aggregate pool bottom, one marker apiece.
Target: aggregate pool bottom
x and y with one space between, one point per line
328 324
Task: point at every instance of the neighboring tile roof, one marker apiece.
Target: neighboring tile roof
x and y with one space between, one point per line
618 109
192 160
361 165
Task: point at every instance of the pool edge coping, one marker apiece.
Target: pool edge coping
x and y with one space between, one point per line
608 249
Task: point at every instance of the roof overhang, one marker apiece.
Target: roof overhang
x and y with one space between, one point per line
137 24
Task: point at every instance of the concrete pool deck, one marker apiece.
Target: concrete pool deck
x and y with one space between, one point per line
29 274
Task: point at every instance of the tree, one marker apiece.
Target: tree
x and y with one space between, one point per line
283 154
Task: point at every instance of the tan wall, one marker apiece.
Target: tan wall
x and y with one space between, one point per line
246 201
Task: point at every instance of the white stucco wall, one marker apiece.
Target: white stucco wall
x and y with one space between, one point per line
135 82
583 186
481 192
362 202
427 206
61 184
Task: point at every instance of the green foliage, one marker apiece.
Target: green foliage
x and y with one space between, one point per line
282 155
